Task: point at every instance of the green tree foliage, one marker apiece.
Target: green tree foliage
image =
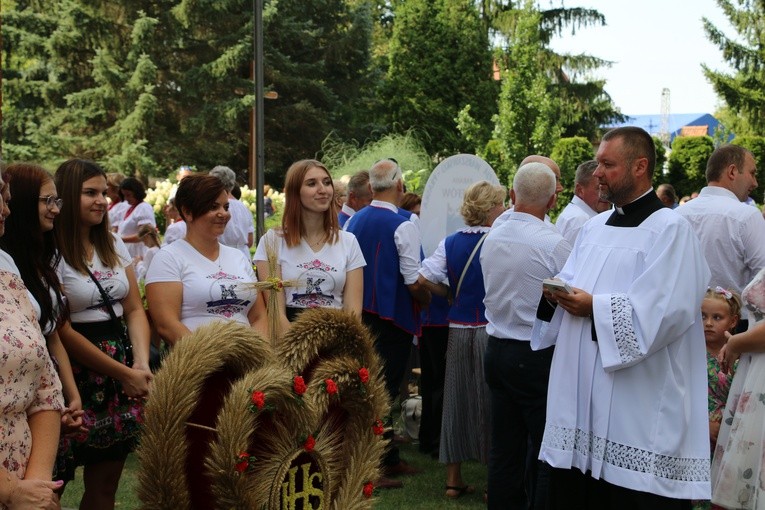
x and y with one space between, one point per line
528 119
661 158
569 153
688 163
146 85
439 62
742 89
585 106
755 145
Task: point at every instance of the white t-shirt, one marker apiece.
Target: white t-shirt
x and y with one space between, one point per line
212 290
238 227
142 266
320 275
174 231
85 301
143 214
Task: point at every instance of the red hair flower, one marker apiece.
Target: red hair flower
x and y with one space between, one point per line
243 461
331 386
309 443
368 488
258 399
364 375
298 385
378 428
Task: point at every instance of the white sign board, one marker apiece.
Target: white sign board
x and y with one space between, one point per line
442 198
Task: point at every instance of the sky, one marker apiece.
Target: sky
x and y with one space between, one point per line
653 44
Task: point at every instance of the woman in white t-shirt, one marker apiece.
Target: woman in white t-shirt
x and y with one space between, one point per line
117 206
99 283
197 280
326 262
137 213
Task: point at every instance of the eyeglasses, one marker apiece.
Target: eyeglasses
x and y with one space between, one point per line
51 201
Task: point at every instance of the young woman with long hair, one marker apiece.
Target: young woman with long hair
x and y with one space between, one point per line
324 263
30 241
107 328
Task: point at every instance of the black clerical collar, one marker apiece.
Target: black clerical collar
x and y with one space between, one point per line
634 213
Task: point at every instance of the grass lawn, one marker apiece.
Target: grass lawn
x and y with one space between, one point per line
424 491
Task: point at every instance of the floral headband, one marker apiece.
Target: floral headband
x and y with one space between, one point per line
719 290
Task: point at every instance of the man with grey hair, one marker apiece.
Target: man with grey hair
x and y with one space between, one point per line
391 244
549 163
240 228
359 196
516 257
585 204
732 234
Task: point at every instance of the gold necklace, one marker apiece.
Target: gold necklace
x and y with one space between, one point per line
317 241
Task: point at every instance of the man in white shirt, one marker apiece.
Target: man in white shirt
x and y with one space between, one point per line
359 196
515 258
627 423
552 165
732 234
585 204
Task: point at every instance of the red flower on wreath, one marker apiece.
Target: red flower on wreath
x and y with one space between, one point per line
364 375
298 385
368 489
258 399
331 386
309 443
242 462
378 428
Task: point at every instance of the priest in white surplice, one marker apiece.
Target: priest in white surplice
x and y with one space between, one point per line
627 420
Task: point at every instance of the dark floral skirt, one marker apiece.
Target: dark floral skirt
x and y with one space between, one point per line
113 419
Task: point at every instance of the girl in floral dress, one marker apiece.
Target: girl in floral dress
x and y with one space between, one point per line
738 478
720 312
30 394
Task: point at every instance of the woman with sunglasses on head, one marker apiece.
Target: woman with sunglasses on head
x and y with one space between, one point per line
324 263
30 241
31 400
100 285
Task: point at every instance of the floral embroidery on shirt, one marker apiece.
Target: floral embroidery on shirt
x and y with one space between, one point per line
317 264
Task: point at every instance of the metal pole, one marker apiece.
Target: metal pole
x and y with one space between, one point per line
258 141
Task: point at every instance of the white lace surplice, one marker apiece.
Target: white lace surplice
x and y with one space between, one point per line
632 407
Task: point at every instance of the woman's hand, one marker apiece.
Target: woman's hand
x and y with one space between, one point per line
34 495
71 419
136 382
727 355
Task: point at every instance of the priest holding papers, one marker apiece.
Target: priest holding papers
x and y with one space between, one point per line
627 406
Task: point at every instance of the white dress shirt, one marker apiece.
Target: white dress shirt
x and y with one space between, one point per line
732 236
571 219
515 258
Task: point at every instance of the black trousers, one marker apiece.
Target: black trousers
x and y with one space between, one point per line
517 378
570 489
393 344
433 343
